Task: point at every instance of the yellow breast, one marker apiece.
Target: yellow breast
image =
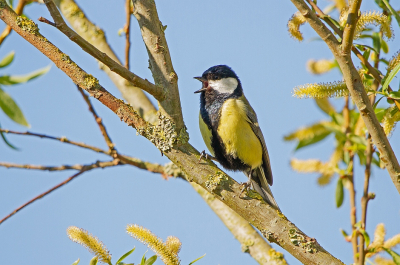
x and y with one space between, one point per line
237 135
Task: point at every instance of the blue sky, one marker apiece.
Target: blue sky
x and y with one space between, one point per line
253 40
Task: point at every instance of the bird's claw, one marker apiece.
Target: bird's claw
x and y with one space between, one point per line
246 186
203 154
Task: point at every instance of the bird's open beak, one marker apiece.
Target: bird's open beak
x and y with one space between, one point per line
203 80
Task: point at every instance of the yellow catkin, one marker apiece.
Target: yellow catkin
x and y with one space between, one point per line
174 244
369 18
92 243
379 237
320 67
393 62
156 244
390 120
294 24
340 4
391 242
306 166
309 132
322 90
383 261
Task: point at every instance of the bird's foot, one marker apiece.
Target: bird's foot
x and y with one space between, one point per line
246 187
203 154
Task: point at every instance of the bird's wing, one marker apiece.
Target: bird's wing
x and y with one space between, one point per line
252 119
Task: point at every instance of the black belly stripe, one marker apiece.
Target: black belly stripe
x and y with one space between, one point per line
210 111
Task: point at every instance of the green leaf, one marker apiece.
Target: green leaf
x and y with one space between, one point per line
151 260
389 79
7 59
394 13
76 262
366 236
394 94
344 233
313 140
11 109
6 141
366 54
376 41
93 261
339 193
18 79
143 261
197 259
384 46
395 256
125 255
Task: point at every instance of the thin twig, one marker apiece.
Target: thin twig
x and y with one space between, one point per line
45 20
156 91
97 164
127 32
96 36
99 122
370 68
350 28
42 195
350 177
19 9
365 198
357 92
61 139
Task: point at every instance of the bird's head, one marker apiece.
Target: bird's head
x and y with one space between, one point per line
220 78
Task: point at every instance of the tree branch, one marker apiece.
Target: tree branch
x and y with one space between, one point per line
19 9
272 224
97 164
127 29
154 90
110 144
357 92
42 195
251 241
161 67
96 36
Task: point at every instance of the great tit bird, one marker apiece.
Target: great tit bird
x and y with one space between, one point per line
230 129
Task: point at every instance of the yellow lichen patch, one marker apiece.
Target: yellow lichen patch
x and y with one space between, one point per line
276 256
213 181
27 25
91 83
164 135
298 239
320 67
92 243
156 244
294 24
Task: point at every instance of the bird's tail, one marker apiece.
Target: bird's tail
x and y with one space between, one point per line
260 184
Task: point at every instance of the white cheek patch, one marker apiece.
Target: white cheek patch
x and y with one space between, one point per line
225 85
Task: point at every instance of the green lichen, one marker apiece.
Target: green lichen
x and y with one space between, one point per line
3 4
173 170
278 256
27 25
91 83
255 195
163 135
214 181
183 136
246 245
298 239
